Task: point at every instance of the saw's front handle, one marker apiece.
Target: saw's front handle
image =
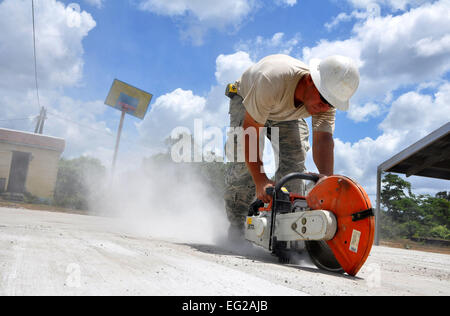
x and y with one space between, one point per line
294 176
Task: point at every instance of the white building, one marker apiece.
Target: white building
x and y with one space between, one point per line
28 163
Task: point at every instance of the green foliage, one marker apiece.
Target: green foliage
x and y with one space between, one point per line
77 181
396 195
443 195
32 199
407 215
440 232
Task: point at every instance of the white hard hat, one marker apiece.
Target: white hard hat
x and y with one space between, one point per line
336 78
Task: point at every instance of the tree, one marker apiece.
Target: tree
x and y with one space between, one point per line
443 195
407 215
440 232
78 181
436 210
396 196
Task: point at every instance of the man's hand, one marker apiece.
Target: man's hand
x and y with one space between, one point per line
261 187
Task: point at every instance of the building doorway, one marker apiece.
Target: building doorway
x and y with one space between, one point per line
18 172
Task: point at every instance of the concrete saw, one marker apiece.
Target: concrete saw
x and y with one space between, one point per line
334 222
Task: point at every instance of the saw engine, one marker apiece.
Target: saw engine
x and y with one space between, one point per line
335 223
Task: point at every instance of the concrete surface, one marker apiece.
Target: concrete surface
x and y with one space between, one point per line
44 253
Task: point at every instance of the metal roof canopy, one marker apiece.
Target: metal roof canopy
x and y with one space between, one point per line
429 157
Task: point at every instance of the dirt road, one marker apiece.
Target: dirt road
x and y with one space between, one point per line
44 253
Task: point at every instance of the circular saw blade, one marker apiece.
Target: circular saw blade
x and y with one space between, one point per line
351 206
322 256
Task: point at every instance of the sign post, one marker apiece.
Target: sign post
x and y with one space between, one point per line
127 99
119 132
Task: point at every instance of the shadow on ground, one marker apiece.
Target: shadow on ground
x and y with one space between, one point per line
246 250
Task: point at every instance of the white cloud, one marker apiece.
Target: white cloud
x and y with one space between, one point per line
182 102
75 121
363 113
393 5
277 44
289 3
180 108
60 31
341 17
60 65
177 108
58 44
365 9
229 68
430 46
371 11
350 47
412 116
204 11
390 44
394 51
199 16
418 113
359 160
389 57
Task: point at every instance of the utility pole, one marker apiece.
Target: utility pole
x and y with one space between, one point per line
41 120
38 123
44 117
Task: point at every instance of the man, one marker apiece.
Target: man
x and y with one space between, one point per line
280 92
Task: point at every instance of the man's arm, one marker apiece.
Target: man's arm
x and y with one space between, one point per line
256 168
323 152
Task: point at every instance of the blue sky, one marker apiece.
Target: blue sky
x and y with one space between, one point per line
184 51
149 50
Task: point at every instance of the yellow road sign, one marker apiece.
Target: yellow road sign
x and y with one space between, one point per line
129 99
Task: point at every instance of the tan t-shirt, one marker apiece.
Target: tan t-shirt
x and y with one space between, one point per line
268 89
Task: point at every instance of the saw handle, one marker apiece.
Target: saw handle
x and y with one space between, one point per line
293 176
254 208
258 204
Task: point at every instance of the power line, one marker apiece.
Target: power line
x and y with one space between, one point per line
17 119
96 130
34 54
79 124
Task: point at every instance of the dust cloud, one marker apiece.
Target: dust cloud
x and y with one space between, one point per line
165 200
175 202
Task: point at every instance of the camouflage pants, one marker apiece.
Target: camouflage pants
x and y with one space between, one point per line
291 150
